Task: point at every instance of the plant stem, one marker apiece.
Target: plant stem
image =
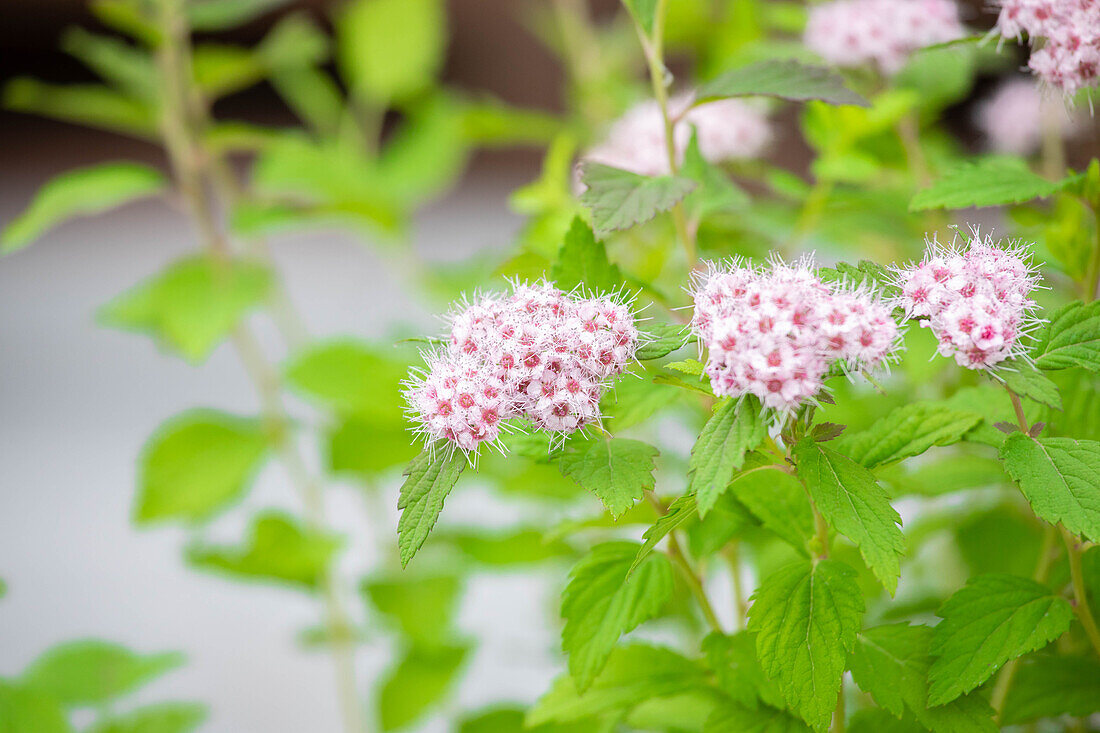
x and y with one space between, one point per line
1054 149
909 133
1080 592
1091 285
1018 406
733 557
838 716
694 583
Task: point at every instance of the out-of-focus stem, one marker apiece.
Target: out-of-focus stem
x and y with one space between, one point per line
694 583
733 557
909 133
1080 591
1053 153
838 715
1091 285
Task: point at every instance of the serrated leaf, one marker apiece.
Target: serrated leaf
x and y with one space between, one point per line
278 548
24 710
734 429
419 681
1071 339
993 619
167 717
81 192
93 672
620 199
778 500
865 273
196 464
582 262
786 79
806 617
659 339
429 478
733 661
732 717
421 607
1052 686
1027 381
991 182
849 497
604 600
1060 478
616 470
907 431
679 511
192 305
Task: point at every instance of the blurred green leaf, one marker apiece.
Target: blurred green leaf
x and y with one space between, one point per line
426 154
93 672
1051 687
715 191
93 105
422 607
785 79
1001 540
510 720
220 15
620 199
616 470
582 263
943 476
989 182
907 431
352 378
490 122
129 17
778 500
389 50
733 661
363 447
25 710
644 13
278 548
196 464
727 520
505 549
81 192
221 69
736 718
428 479
418 682
168 717
192 305
127 67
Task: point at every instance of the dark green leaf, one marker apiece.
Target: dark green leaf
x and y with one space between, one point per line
678 512
733 661
1052 686
907 431
582 263
1027 381
778 500
991 182
659 339
429 478
616 470
1071 339
620 199
786 79
733 430
1060 478
735 718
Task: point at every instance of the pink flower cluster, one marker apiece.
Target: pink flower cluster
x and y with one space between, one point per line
726 130
976 302
1068 58
775 332
882 32
538 353
1014 117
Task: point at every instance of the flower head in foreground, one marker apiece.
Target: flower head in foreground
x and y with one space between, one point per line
1065 39
1013 119
881 32
774 332
975 301
537 353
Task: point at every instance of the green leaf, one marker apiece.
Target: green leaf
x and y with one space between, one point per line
351 378
733 661
891 663
278 548
877 720
510 720
644 13
786 79
733 430
420 680
633 673
221 70
123 65
631 402
167 717
1027 381
907 431
92 105
605 600
616 470
582 263
778 500
727 520
505 549
993 619
220 15
421 607
735 718
24 710
1060 477
1072 338
365 447
848 496
865 274
389 50
659 339
429 478
191 306
806 617
679 511
81 192
92 672
990 182
196 464
715 192
1052 686
620 199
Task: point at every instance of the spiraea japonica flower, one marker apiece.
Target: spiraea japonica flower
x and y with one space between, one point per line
1065 39
775 332
976 301
1013 118
883 33
537 353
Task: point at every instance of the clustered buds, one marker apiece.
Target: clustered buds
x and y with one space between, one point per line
775 332
881 32
726 130
1064 35
537 353
976 302
1013 118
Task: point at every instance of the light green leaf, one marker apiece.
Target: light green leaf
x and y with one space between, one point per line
123 65
127 17
1071 339
505 549
420 680
510 720
990 182
688 366
167 717
365 447
24 710
196 464
735 428
631 402
278 548
734 663
957 472
582 263
715 192
221 69
907 431
616 470
92 672
1027 381
786 79
421 607
352 378
81 192
865 274
220 15
620 199
389 50
659 339
877 720
848 496
732 717
489 122
678 512
1052 686
429 478
1060 477
604 600
778 500
192 305
93 105
993 619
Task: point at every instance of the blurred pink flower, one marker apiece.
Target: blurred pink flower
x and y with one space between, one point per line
1012 120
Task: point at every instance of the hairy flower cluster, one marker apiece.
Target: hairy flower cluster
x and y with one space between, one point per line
1013 119
537 353
976 302
775 332
881 32
1064 35
727 129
